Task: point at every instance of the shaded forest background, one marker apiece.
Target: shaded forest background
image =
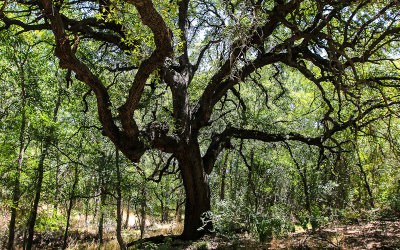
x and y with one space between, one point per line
137 118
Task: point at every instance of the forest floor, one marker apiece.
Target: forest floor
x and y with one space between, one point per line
379 234
383 233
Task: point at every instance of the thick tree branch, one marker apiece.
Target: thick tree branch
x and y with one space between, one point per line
183 24
163 41
131 147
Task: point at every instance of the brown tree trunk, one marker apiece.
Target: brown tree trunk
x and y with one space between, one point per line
11 227
120 240
195 181
164 208
56 192
143 213
71 204
127 213
86 211
178 210
223 177
101 216
33 214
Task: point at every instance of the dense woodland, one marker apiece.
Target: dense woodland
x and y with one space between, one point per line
220 117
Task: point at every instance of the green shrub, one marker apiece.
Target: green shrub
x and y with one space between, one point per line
316 219
267 227
303 222
228 219
394 202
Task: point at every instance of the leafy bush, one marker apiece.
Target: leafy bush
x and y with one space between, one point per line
316 219
202 245
267 227
49 221
394 200
228 219
304 221
351 217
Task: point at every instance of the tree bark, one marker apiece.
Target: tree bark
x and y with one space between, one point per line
195 180
127 213
178 210
56 192
101 216
71 204
120 240
86 211
143 213
11 227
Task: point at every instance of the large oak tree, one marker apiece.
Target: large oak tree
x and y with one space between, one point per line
346 49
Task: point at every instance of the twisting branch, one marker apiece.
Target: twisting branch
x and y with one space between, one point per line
130 146
164 49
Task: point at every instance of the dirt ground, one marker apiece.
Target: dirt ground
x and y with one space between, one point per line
381 234
378 234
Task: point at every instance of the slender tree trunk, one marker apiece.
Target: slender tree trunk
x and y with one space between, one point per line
223 177
364 176
33 214
233 179
96 206
303 177
11 230
16 191
100 230
57 186
195 181
164 209
127 213
121 242
251 188
367 186
179 208
164 217
86 210
40 171
71 204
306 190
143 213
101 216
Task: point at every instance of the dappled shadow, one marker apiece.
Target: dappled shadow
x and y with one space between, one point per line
380 234
383 233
